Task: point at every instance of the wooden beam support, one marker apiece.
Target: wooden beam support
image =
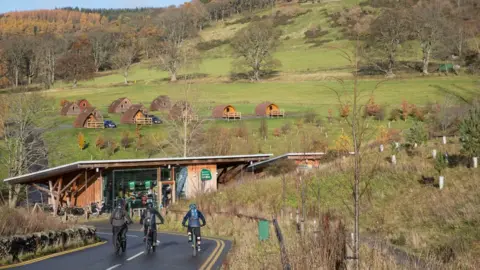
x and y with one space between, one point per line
159 186
59 188
86 182
174 185
54 202
71 182
44 189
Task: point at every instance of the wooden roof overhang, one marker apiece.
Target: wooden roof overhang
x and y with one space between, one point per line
83 166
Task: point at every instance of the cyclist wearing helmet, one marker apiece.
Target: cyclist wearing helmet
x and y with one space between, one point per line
119 221
148 219
194 216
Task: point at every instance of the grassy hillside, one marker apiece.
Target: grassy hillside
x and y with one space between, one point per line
305 83
436 225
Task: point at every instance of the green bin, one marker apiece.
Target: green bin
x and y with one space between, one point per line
263 230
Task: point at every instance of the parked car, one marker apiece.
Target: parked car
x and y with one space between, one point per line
109 124
155 119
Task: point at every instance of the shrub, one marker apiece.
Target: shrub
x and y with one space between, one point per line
405 110
375 110
417 113
100 142
63 102
310 116
112 147
277 132
343 144
208 45
441 163
470 133
330 115
81 141
125 142
344 110
395 115
315 32
263 129
416 134
241 131
286 128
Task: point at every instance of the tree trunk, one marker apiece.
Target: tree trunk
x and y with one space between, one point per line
16 77
256 74
74 83
185 126
125 76
426 58
13 192
173 76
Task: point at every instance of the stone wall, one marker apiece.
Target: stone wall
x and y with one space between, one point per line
14 247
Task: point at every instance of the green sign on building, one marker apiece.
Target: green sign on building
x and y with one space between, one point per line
148 184
205 175
131 184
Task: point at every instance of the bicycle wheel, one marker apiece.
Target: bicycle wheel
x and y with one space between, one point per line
194 243
117 247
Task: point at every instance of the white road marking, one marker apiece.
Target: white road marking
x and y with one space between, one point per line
134 256
129 235
113 267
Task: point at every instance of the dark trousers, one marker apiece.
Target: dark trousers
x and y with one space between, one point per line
119 229
190 230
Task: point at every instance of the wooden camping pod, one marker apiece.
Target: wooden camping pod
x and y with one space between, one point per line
226 112
120 105
269 109
161 103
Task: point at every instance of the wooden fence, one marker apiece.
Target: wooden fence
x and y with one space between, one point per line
277 113
95 124
144 121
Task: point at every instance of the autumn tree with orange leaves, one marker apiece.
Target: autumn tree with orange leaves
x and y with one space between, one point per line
77 64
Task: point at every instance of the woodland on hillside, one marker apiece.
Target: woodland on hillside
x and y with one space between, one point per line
72 44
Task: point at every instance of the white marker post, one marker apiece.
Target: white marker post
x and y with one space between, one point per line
444 139
381 147
394 159
475 162
434 154
441 182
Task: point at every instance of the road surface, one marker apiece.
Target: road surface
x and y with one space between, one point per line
173 252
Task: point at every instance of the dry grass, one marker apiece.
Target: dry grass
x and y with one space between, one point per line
440 226
19 221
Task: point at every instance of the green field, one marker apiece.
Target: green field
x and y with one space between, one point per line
305 82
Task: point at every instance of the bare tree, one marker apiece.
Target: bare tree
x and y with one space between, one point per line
429 24
361 132
185 126
172 50
23 143
14 52
254 46
387 33
125 57
50 49
101 48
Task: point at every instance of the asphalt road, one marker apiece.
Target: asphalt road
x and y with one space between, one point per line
173 252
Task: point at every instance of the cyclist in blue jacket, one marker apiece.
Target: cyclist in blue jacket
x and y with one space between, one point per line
194 216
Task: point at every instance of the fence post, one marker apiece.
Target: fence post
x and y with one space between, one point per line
475 162
283 251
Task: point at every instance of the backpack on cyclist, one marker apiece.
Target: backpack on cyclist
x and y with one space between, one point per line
194 214
118 214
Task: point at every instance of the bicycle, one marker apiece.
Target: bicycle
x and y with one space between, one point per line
194 241
120 243
149 244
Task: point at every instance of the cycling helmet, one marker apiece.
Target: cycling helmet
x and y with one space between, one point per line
149 205
193 206
120 203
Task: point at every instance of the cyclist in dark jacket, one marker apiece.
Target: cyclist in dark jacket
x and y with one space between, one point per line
119 221
194 216
148 220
